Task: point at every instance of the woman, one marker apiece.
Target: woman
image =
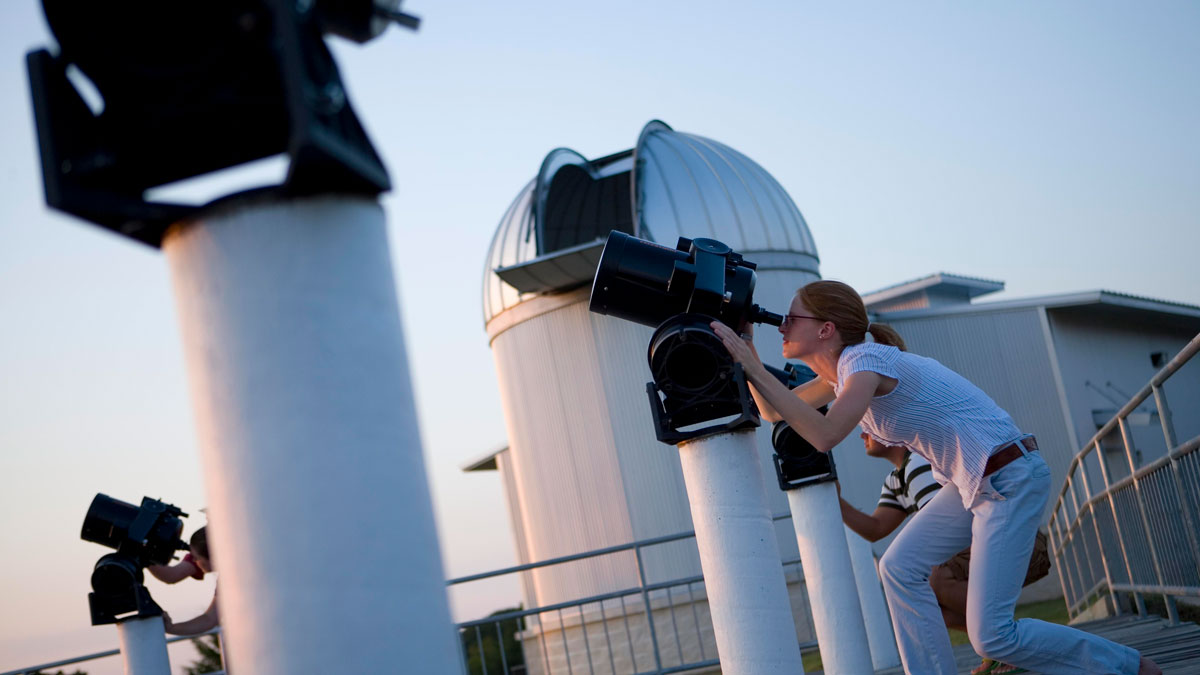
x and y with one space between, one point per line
195 564
996 484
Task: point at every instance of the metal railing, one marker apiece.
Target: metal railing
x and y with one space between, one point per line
99 655
675 635
1136 534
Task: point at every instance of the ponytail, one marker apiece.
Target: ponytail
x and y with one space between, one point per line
886 335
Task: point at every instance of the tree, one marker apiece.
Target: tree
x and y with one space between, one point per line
209 647
491 642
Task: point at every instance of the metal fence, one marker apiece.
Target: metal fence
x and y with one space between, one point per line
611 632
30 670
1134 533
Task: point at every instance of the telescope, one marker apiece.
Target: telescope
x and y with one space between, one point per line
142 535
648 283
181 90
797 462
680 292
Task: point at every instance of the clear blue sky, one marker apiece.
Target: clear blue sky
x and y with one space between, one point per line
1053 146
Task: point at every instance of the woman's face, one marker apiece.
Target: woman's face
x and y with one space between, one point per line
799 333
203 563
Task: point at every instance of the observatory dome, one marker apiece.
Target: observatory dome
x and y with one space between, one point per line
669 185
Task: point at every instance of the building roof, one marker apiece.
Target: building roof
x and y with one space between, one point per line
485 462
970 287
1081 299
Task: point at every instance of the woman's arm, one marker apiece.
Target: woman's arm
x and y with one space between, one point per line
816 392
173 574
203 623
823 431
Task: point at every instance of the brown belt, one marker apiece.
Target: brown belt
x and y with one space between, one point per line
1002 457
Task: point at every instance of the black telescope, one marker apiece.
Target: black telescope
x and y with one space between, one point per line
680 292
149 533
142 535
797 462
648 283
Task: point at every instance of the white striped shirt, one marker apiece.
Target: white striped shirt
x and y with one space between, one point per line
933 411
909 486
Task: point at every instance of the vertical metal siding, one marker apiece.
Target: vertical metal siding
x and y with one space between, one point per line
517 519
653 480
1101 350
560 441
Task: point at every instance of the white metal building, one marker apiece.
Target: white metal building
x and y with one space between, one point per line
1061 365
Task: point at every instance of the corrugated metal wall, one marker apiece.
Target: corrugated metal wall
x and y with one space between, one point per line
655 496
560 436
516 517
1101 350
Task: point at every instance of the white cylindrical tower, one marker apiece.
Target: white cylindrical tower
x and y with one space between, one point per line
322 523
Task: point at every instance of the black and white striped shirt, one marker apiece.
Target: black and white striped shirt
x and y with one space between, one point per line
933 411
910 485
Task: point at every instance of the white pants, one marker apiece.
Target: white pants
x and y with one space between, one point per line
1000 527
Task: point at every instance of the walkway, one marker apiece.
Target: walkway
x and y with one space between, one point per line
1176 649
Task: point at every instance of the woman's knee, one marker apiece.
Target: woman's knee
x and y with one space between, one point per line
996 642
902 570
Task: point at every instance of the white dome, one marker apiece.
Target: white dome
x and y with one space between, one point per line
670 185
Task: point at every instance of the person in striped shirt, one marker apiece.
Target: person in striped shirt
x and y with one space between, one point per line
905 490
994 484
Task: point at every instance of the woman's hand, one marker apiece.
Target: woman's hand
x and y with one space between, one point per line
741 347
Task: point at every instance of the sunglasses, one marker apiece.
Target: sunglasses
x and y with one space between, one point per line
787 319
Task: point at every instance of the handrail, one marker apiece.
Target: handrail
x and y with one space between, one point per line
631 546
100 655
618 548
1135 532
1144 393
591 612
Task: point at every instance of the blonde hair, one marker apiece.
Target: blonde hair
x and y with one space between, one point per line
840 304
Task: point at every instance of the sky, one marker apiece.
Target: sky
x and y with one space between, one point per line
1052 146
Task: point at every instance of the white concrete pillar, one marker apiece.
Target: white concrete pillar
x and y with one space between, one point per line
144 646
747 592
828 574
322 526
874 606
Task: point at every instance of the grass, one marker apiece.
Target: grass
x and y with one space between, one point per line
1054 611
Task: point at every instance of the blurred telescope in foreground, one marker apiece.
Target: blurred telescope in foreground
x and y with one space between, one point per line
183 89
149 534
